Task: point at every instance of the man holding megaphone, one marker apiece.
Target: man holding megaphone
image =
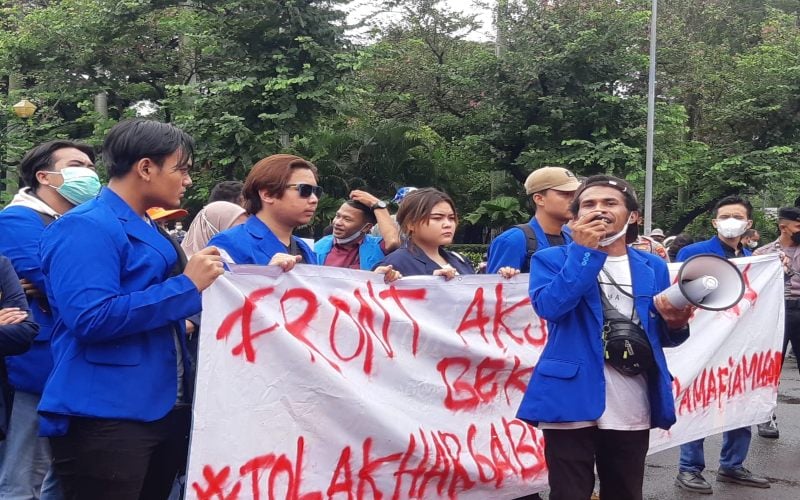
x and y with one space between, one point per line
602 381
732 217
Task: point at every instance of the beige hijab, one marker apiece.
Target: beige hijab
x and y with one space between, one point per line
212 219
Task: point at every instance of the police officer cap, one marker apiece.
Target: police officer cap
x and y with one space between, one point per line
789 213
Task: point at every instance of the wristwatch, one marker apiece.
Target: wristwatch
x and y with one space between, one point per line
378 205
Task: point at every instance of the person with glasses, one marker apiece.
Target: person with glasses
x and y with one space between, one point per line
280 194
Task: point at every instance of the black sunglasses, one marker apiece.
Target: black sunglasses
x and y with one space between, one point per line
306 190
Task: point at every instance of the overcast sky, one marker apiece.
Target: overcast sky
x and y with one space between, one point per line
359 9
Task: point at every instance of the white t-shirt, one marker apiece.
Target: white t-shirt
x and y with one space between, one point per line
627 403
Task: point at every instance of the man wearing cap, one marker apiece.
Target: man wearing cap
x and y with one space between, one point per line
651 244
788 247
657 234
350 245
732 216
591 410
551 190
57 175
163 217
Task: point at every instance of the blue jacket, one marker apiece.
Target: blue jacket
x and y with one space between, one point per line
510 248
369 251
568 384
19 241
713 246
411 261
117 311
254 243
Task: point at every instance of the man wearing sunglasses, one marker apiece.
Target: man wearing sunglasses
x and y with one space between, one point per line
351 246
280 194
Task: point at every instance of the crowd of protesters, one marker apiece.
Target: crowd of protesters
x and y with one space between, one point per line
100 306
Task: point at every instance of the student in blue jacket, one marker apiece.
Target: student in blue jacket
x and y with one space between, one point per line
550 191
732 217
590 412
116 405
280 194
57 175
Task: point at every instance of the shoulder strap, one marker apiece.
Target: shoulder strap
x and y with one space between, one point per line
530 245
458 256
180 264
46 219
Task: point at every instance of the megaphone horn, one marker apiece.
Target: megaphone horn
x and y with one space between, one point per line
708 282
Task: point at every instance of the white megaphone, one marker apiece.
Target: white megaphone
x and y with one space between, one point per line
708 282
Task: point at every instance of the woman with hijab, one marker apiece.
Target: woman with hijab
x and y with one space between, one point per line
212 219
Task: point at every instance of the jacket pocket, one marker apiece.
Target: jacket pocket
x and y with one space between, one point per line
114 354
557 368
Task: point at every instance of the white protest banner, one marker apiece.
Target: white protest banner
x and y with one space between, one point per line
327 383
726 375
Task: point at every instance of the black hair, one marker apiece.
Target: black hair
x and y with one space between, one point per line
679 242
749 233
41 158
621 185
733 199
230 191
131 140
369 215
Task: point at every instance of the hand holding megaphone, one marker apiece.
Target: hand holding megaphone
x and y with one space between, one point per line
675 317
706 281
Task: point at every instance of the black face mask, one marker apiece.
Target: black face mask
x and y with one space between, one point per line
796 238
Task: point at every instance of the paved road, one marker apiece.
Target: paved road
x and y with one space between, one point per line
779 460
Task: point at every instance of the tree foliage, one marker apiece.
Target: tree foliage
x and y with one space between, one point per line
425 101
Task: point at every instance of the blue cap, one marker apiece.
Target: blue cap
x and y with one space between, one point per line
401 193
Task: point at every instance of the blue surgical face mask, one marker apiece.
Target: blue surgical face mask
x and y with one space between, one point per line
353 237
80 184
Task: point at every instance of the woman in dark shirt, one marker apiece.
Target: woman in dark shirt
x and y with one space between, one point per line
17 329
427 217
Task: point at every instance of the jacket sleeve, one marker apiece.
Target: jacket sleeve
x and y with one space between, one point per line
14 339
561 276
668 337
508 249
84 266
24 230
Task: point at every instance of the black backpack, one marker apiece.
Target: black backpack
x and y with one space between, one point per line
530 246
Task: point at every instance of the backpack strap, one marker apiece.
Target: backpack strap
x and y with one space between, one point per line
46 219
530 245
180 264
